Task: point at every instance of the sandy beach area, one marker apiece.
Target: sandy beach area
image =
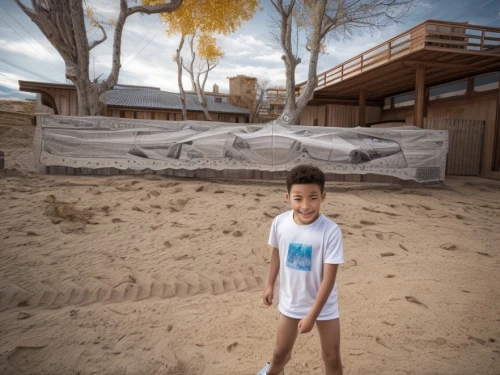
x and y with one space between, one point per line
159 275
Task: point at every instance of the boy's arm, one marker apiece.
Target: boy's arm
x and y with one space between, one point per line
273 274
325 288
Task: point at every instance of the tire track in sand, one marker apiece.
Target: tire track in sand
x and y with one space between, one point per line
48 297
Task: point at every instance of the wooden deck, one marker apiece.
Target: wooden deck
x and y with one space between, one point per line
448 50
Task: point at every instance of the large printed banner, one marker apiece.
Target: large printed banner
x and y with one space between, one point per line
107 142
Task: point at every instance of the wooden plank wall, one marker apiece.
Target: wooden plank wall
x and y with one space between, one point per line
404 114
340 116
484 110
481 107
465 144
66 101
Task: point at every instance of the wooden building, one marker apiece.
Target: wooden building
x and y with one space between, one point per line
437 74
273 104
139 102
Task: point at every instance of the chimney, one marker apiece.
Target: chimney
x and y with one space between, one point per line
216 89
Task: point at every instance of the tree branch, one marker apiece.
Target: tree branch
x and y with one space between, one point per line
125 11
95 43
153 9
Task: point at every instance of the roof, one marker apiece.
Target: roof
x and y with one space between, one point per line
156 99
128 87
144 97
447 50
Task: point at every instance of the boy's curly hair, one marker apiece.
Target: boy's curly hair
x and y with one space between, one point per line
305 174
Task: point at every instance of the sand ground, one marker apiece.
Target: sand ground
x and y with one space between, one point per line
156 275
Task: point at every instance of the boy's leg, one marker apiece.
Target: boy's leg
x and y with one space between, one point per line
329 333
287 333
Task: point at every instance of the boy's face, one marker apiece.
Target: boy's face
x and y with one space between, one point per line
306 201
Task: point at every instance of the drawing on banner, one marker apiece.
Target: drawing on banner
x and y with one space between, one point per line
102 142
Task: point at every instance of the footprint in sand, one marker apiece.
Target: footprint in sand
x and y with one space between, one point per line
366 222
448 246
26 359
379 212
414 300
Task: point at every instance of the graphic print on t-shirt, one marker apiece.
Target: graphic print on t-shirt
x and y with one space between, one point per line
299 257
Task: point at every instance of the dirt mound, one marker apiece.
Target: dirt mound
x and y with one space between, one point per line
20 106
16 136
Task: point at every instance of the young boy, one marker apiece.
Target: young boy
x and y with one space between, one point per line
307 249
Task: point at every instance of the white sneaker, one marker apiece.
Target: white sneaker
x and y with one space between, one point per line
264 370
266 367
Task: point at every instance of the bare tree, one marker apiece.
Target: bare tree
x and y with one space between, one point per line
63 24
262 85
319 20
197 69
182 94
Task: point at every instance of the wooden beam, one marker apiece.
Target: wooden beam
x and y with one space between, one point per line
434 64
419 96
496 144
362 106
331 99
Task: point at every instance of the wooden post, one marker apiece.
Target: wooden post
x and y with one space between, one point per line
496 142
419 96
362 107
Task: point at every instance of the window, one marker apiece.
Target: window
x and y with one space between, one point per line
398 101
387 103
404 100
486 82
218 100
448 90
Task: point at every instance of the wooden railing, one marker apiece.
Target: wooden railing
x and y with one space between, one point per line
436 34
275 94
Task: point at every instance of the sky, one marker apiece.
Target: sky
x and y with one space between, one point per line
25 53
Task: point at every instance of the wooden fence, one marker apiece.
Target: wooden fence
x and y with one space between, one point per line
465 144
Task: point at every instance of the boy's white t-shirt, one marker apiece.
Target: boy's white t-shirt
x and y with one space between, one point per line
303 250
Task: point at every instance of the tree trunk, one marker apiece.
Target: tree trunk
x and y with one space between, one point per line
182 93
295 106
89 103
195 83
202 99
63 24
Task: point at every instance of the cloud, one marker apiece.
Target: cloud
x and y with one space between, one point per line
273 57
147 51
31 51
7 94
